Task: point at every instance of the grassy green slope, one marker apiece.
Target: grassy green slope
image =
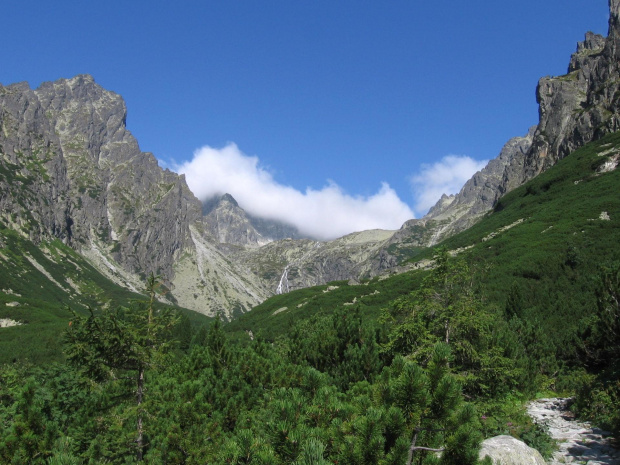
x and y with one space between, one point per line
553 256
550 255
279 313
29 296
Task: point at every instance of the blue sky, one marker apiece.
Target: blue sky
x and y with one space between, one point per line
352 94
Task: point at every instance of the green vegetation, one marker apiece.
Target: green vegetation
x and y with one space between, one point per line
542 269
39 301
599 395
126 342
535 267
415 368
222 403
278 314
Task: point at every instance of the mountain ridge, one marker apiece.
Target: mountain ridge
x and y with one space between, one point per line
574 109
70 169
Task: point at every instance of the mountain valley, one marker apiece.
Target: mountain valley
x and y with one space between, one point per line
139 324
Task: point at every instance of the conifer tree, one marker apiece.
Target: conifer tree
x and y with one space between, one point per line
122 344
602 337
438 419
445 309
514 302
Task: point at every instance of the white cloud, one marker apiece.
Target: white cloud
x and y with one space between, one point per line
326 213
447 176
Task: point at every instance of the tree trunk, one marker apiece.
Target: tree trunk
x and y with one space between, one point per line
412 448
139 393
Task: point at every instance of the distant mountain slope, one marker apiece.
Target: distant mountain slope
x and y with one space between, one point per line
546 239
295 264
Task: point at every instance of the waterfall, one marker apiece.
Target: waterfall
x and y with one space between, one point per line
283 286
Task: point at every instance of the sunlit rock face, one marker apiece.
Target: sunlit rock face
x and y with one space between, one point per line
88 183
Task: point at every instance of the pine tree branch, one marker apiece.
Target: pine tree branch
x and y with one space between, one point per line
429 449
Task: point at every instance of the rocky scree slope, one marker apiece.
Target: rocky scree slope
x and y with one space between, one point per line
70 169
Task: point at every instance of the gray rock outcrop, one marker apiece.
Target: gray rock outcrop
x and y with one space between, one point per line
73 171
229 224
506 450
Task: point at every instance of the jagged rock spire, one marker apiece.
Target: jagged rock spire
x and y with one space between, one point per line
614 15
574 110
612 46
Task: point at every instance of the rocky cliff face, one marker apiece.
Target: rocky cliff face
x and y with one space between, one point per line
481 192
88 183
576 108
70 169
229 224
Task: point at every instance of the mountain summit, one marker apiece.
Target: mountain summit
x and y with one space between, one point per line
70 169
229 224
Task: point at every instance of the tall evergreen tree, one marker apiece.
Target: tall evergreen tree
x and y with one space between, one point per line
126 342
446 309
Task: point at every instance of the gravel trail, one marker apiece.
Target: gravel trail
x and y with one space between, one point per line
579 443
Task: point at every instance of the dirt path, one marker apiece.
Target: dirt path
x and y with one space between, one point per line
579 443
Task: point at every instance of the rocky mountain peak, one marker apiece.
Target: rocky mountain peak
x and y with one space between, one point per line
228 223
479 194
227 198
593 43
576 108
580 106
219 201
84 179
